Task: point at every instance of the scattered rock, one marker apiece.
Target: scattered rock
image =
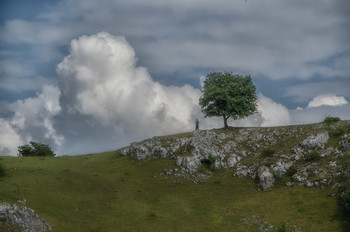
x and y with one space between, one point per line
281 167
241 150
315 141
23 217
188 163
266 178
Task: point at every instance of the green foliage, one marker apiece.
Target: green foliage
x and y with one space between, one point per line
209 163
212 158
329 119
347 195
228 95
35 149
268 152
312 156
2 170
282 228
291 171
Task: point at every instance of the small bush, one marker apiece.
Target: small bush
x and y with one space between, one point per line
35 149
329 119
212 158
347 195
291 171
282 228
344 199
268 152
209 163
2 171
312 156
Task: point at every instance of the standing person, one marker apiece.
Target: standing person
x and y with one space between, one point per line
197 124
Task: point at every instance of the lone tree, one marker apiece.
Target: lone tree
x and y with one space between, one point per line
35 149
228 95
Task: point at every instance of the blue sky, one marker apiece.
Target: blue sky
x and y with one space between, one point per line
297 53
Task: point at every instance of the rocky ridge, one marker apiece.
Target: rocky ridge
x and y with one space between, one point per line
308 155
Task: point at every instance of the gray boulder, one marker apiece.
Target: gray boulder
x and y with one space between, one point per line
266 178
315 141
23 217
139 152
189 164
281 167
160 152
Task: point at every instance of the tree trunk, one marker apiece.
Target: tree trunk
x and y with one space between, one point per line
225 121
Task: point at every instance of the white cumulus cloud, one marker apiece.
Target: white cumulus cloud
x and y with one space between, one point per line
100 80
327 100
32 119
104 100
9 139
272 113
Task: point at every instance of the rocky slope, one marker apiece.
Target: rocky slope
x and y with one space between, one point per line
315 155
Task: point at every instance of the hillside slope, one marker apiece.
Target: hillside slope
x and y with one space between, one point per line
200 181
311 155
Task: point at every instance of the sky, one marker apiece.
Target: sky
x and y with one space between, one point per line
87 76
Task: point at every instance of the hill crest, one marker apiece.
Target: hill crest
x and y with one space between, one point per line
312 155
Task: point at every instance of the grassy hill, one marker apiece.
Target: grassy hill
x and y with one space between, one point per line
111 192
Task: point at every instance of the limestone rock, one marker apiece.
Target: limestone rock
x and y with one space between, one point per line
139 152
281 167
23 217
315 141
241 171
160 152
266 178
190 164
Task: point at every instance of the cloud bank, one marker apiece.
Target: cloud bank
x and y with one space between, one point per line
272 38
104 100
327 100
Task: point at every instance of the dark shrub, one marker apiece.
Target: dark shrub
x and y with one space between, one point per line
312 156
268 152
291 171
344 199
209 163
329 119
282 228
212 158
2 170
35 149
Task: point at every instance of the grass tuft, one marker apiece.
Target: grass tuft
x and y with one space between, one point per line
312 156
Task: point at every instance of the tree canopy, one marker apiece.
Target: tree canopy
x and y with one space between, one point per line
228 95
35 149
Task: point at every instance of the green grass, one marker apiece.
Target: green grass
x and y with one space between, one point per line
108 192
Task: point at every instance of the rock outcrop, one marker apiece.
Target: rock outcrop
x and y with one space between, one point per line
266 178
316 141
295 151
22 217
